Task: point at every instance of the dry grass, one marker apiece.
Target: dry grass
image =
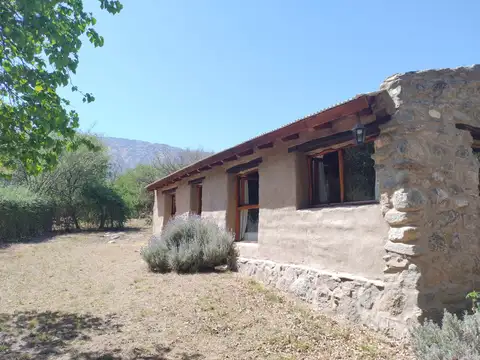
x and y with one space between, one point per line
80 297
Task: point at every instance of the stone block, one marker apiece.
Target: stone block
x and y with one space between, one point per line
403 234
408 200
403 249
395 264
399 218
301 286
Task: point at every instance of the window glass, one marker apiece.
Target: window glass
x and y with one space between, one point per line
326 174
252 222
248 189
345 175
359 173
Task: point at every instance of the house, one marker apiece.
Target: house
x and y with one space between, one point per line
367 209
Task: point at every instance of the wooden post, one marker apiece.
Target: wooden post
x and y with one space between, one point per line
237 211
342 175
310 181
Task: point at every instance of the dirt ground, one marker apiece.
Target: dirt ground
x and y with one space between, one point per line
83 297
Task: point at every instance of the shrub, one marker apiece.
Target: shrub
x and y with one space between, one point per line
156 256
189 245
457 338
23 213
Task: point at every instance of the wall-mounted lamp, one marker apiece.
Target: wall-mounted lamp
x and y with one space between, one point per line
359 132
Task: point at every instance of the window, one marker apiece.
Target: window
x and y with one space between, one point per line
173 205
197 199
342 176
247 212
169 205
476 153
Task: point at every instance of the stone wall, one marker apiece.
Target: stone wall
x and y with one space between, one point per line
428 179
345 296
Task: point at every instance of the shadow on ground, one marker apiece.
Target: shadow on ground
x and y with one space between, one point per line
46 335
51 235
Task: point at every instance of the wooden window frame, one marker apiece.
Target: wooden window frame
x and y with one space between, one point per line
341 168
239 199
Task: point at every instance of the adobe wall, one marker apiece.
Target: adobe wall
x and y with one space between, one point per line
158 209
345 239
429 185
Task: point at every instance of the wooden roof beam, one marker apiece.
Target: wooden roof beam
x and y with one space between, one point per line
328 125
216 163
265 146
290 137
246 152
231 158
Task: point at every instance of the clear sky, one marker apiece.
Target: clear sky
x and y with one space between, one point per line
214 73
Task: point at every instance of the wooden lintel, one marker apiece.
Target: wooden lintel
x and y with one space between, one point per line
265 146
245 166
169 191
196 181
332 140
231 158
291 137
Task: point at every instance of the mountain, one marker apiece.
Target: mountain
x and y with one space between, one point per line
127 154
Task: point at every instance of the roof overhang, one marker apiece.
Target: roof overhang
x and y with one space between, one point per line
363 104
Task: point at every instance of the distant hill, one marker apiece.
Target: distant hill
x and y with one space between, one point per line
126 153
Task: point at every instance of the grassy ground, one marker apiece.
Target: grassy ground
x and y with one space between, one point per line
80 297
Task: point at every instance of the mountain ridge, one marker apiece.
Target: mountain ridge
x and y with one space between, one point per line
128 153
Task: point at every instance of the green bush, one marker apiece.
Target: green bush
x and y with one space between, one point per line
457 338
23 213
189 245
103 207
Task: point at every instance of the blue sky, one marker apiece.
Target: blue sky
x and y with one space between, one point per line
214 73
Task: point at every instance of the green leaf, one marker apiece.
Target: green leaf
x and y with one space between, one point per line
37 56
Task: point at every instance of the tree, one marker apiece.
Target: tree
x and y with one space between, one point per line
79 187
73 174
169 162
132 187
132 184
39 46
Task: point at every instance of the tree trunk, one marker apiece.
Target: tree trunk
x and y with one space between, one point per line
102 219
75 221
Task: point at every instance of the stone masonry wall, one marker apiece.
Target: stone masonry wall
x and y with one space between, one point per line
346 296
428 179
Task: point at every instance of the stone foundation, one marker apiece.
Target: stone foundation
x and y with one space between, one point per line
349 297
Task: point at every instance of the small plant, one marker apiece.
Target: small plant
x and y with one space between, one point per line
475 297
189 245
457 338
